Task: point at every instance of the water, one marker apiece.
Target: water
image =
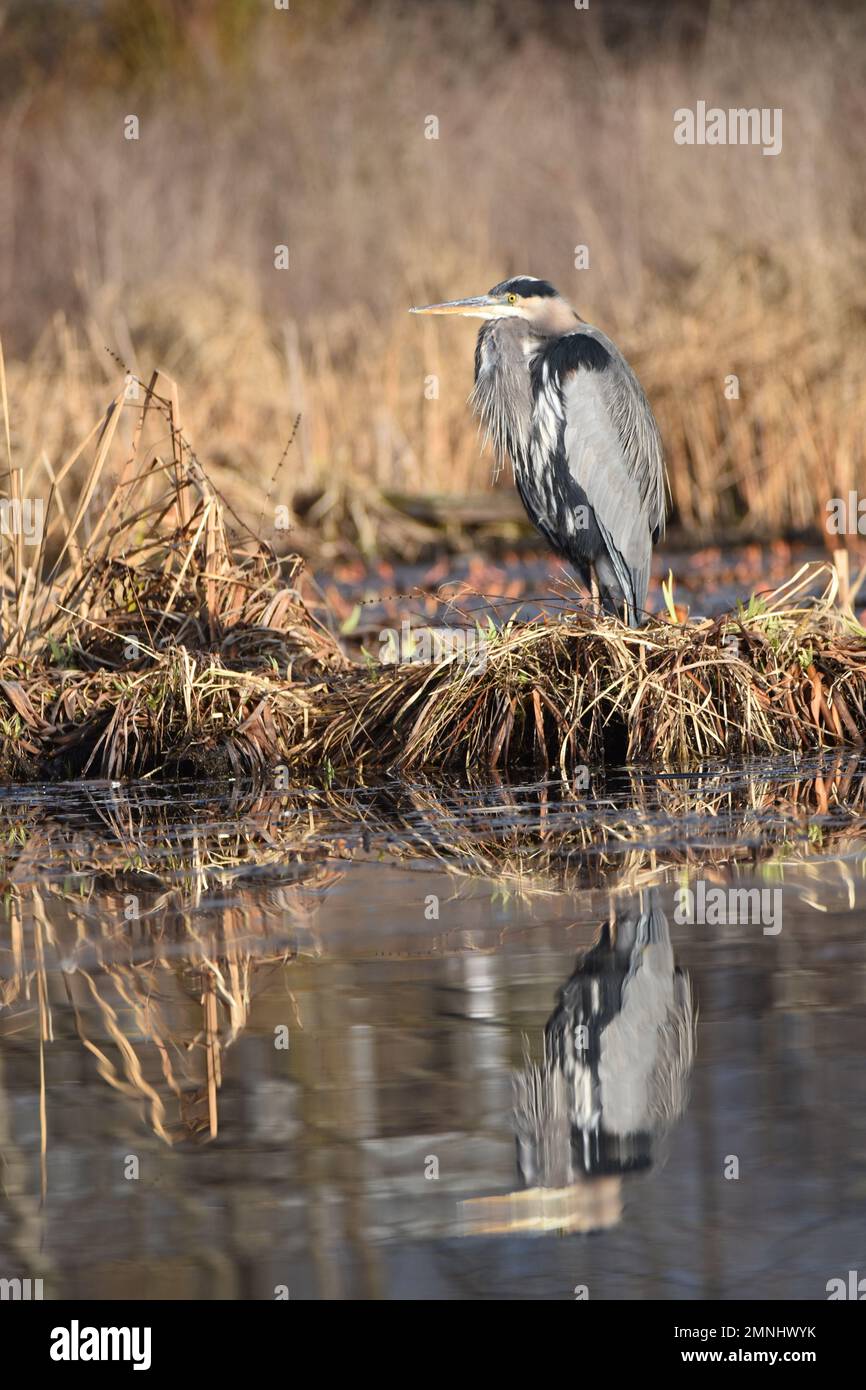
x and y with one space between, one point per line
293 1043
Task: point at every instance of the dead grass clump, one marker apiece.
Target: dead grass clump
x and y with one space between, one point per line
785 673
144 635
130 630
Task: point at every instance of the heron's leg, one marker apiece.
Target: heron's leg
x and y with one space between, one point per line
612 597
586 574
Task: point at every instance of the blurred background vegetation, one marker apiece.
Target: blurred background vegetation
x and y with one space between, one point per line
261 127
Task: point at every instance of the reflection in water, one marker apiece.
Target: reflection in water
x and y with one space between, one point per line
618 1053
151 954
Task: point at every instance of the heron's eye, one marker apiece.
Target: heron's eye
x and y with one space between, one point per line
512 299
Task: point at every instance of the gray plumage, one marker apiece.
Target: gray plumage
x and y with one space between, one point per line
557 397
618 1053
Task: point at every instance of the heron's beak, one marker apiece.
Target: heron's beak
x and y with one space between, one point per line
482 306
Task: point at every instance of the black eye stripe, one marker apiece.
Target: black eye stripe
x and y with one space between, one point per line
525 287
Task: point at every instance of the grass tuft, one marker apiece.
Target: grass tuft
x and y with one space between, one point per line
148 634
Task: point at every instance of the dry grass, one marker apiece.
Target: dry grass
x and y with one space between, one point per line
142 637
135 622
784 673
148 632
704 262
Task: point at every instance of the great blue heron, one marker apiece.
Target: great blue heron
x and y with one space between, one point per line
557 397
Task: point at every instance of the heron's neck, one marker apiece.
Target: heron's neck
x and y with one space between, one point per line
553 317
502 394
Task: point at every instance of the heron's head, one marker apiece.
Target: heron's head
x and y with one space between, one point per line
536 302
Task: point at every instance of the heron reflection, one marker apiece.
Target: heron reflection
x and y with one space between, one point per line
612 1080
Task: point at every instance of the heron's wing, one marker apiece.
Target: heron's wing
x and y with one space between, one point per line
613 449
669 1084
644 1053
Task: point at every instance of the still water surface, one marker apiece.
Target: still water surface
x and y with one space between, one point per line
255 1045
